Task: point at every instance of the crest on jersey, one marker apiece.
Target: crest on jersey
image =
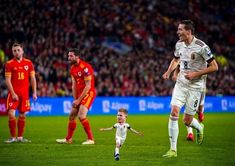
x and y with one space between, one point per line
208 51
10 104
86 70
79 74
26 67
193 55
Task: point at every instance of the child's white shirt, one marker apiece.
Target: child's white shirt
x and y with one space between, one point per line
121 130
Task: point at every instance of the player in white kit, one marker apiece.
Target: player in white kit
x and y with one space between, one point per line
196 61
200 111
121 131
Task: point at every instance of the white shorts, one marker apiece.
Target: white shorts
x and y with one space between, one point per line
202 100
183 96
120 140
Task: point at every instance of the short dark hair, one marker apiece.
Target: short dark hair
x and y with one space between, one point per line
189 25
16 44
75 50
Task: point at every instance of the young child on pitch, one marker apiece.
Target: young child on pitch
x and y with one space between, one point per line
121 131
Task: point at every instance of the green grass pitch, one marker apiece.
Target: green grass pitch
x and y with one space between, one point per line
218 147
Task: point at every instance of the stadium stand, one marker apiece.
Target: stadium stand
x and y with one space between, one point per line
129 44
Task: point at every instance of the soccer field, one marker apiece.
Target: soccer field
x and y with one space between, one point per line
218 147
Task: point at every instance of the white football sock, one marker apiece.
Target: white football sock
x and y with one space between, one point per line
196 125
173 130
116 150
189 129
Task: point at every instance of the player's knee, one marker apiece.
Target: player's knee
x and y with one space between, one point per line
187 120
175 111
174 114
22 115
118 145
72 116
187 123
11 114
82 116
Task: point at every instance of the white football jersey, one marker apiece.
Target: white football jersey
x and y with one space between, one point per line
121 129
193 57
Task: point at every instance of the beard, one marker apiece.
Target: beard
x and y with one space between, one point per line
18 57
73 62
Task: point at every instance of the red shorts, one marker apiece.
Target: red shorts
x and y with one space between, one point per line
88 100
23 104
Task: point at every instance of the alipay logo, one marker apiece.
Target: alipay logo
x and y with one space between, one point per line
67 106
142 105
106 106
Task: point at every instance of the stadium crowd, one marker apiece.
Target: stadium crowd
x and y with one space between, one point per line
148 27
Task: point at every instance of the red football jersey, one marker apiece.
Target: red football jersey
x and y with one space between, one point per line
19 72
81 72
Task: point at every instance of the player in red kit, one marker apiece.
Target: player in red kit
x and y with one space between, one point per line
83 89
17 74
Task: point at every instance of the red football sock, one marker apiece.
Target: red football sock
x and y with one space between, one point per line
21 125
71 128
86 125
12 127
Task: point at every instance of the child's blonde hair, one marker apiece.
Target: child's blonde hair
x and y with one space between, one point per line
123 110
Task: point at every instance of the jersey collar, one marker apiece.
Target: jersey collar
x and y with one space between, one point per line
193 41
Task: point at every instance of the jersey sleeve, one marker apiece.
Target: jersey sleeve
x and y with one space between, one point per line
128 126
206 53
31 69
176 52
7 70
87 71
115 125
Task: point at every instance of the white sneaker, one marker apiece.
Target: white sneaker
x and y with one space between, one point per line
64 141
88 142
200 135
23 140
11 140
